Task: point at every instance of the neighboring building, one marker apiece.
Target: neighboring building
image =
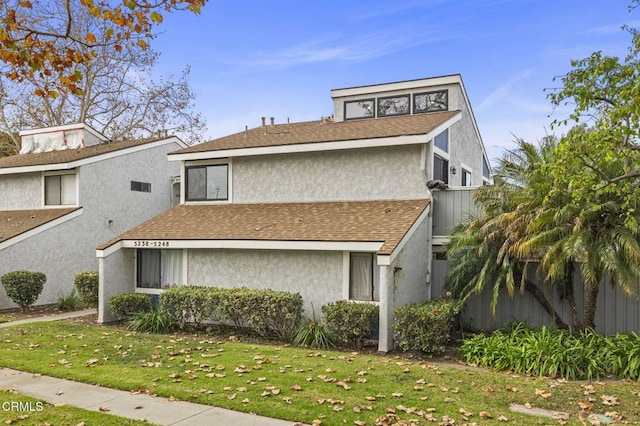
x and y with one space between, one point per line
69 190
338 208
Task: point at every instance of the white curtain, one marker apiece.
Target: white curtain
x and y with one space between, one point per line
361 278
170 268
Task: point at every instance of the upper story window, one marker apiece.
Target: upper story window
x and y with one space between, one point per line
486 173
466 177
430 101
393 105
440 168
397 105
442 141
364 108
207 182
60 189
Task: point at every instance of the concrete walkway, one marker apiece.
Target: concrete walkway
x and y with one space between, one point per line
156 410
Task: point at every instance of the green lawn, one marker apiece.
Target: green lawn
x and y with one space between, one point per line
24 411
299 384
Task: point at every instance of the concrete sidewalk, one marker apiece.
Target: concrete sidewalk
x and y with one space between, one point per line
156 410
56 317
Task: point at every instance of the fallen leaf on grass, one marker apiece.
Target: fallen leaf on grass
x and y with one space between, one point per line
485 415
343 385
296 388
543 393
585 405
465 412
397 394
609 400
503 418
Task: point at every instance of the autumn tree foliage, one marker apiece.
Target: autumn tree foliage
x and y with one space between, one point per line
42 39
115 90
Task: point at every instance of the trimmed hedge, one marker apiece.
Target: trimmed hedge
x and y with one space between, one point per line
189 304
86 284
350 323
125 306
23 287
426 326
269 313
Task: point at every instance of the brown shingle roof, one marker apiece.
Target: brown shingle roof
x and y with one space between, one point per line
66 156
16 222
319 131
353 221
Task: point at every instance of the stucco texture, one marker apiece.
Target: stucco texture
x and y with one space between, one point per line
354 174
316 275
21 192
109 207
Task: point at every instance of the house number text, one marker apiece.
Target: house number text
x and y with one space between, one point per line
153 244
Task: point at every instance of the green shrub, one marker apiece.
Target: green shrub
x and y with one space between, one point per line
69 302
189 304
126 305
86 284
267 312
157 320
312 333
556 353
23 287
272 313
350 323
229 305
426 326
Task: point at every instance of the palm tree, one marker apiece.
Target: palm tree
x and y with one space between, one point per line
488 249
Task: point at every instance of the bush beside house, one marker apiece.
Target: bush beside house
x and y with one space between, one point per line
86 284
23 287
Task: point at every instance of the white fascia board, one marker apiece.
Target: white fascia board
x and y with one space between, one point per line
89 160
423 216
311 147
109 250
125 151
75 126
39 229
401 85
40 168
370 246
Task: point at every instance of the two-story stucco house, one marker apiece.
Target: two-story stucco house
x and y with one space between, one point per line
68 191
338 208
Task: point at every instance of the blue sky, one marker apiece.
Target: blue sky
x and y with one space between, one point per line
280 59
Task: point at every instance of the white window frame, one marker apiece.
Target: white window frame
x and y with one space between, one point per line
149 290
60 173
346 277
183 180
463 168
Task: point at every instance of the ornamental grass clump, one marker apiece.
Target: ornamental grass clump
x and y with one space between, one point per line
556 353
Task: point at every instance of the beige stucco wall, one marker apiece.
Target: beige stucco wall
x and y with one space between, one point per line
355 174
316 275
